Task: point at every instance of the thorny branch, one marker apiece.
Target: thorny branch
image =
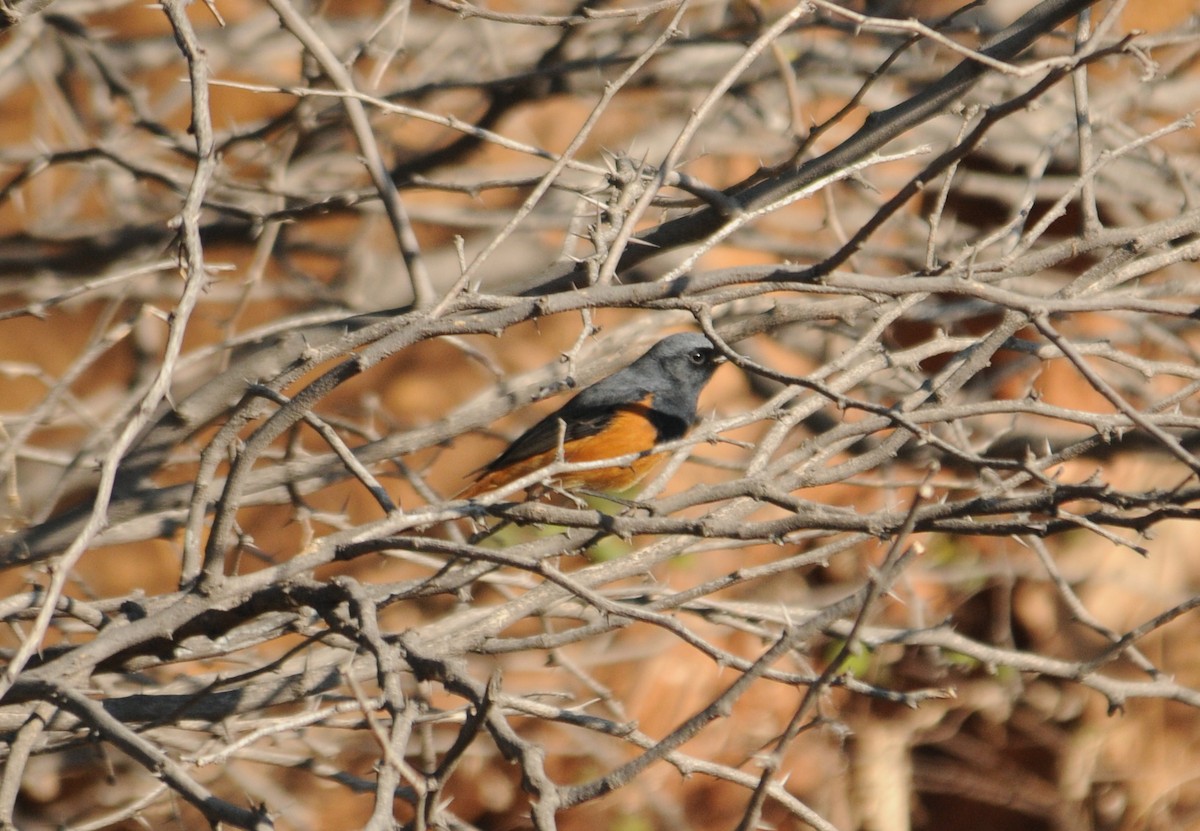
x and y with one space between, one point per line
257 253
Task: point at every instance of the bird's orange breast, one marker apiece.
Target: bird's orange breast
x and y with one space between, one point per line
629 431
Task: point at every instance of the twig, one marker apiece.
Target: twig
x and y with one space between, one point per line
410 250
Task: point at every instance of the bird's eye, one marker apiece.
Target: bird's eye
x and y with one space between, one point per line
697 357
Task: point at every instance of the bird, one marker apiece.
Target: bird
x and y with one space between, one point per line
653 400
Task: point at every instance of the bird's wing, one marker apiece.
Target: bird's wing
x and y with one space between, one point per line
581 422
